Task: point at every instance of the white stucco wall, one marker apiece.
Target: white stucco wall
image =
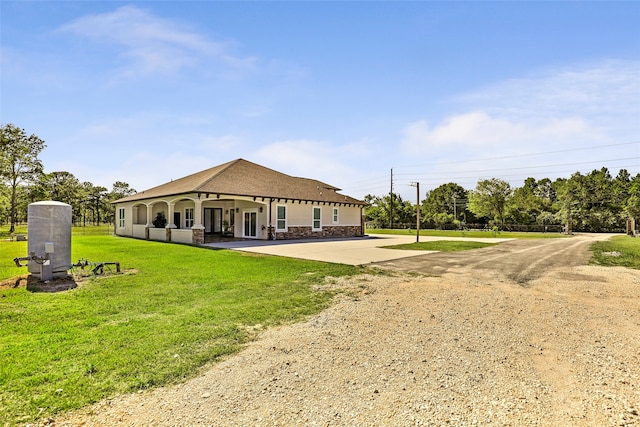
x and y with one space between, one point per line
158 234
182 236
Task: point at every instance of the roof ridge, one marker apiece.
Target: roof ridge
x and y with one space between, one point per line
223 167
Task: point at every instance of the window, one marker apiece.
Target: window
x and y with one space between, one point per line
317 225
281 217
121 217
188 217
335 216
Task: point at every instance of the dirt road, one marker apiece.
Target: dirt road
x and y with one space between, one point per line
522 334
519 260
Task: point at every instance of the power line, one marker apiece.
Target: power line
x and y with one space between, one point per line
530 167
471 180
567 150
383 178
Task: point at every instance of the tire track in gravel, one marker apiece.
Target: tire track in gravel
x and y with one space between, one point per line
519 260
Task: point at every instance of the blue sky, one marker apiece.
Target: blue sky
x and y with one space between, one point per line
145 92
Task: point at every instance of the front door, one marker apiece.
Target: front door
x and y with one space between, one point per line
176 219
250 225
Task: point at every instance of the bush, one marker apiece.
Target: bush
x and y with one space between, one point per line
160 220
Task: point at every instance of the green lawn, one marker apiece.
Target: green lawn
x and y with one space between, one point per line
623 251
441 245
175 309
472 234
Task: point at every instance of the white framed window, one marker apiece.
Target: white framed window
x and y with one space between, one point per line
121 217
334 216
188 217
281 217
317 223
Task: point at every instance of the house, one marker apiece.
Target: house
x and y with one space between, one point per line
239 199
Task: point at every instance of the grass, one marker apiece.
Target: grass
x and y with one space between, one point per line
621 251
471 234
441 245
182 308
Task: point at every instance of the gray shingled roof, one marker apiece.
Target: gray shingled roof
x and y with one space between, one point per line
243 178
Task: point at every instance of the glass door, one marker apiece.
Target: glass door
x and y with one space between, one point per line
250 224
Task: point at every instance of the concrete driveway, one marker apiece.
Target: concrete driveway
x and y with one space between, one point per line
354 251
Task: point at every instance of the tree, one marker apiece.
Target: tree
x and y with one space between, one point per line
19 162
490 198
120 189
632 205
593 202
379 210
528 201
445 204
96 199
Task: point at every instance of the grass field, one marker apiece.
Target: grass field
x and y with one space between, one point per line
174 309
622 251
472 234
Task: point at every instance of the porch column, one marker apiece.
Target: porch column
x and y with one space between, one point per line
170 223
149 215
149 219
197 213
197 231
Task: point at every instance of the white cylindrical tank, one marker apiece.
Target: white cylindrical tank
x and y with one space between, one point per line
49 232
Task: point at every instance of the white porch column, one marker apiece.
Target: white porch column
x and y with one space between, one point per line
197 214
149 215
170 223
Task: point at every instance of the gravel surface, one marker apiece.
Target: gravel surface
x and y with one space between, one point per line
473 346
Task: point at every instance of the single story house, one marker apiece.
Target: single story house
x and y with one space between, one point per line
239 199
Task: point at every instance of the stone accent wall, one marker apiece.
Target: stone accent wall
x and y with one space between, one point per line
198 236
326 232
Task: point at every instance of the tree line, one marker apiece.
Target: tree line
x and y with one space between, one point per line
593 202
23 181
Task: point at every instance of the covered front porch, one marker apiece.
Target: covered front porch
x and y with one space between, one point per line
201 218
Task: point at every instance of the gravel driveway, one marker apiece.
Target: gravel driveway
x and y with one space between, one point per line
522 334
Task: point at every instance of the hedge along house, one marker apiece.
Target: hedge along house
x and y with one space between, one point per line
239 199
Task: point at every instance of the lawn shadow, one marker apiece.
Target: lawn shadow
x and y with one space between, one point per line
33 284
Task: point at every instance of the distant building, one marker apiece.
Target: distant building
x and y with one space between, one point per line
239 199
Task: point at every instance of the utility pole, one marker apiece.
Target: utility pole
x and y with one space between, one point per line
391 203
417 185
454 207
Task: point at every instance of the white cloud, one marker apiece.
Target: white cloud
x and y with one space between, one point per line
479 131
309 159
571 107
152 44
605 93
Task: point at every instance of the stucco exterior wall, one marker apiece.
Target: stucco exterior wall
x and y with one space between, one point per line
181 236
299 218
158 234
139 231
